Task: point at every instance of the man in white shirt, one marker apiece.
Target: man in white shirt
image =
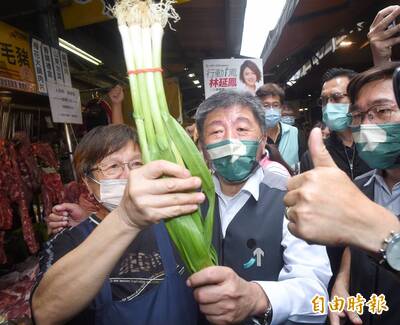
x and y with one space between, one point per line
267 276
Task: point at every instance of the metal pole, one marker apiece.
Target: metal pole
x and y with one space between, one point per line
70 150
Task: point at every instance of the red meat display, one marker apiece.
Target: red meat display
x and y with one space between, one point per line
45 154
52 191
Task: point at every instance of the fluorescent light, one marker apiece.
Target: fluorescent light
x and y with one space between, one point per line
309 95
199 86
345 44
300 109
77 51
191 75
260 18
196 82
306 109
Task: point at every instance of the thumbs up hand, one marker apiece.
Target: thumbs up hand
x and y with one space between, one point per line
323 203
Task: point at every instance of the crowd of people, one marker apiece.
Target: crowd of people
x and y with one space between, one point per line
321 221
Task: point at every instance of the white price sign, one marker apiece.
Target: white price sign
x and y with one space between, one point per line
65 104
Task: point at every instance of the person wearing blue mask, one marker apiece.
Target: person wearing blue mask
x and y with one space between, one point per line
335 103
279 127
266 275
376 132
335 106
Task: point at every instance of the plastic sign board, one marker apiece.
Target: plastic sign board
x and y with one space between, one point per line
65 104
39 67
48 64
16 67
58 71
65 68
244 74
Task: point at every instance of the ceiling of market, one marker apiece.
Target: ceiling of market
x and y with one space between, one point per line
213 29
312 24
207 29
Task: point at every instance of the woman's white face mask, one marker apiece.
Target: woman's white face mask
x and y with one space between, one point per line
111 192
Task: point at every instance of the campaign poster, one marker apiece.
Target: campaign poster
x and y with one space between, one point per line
244 74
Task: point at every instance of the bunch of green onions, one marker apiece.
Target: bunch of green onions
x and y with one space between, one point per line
141 24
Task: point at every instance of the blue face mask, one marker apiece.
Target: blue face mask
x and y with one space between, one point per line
234 160
288 119
272 117
335 116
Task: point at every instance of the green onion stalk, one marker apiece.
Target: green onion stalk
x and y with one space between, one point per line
141 24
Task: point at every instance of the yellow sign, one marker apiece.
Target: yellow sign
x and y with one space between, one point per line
16 68
85 12
376 304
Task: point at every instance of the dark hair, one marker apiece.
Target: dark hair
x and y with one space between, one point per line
320 124
227 99
99 143
271 89
95 114
381 72
337 72
252 66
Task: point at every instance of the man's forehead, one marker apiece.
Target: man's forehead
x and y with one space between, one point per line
377 91
231 113
271 98
338 83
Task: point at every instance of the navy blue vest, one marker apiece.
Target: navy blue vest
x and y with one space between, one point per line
366 277
256 227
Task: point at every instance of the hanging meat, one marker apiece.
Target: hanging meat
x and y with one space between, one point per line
30 172
45 154
73 190
52 191
19 193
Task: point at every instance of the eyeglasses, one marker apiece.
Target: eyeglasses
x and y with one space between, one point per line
115 170
335 97
381 113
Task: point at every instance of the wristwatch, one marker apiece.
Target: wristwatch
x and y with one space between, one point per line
266 318
390 252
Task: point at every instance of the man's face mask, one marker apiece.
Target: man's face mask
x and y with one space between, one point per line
335 116
288 119
111 192
272 117
378 144
234 160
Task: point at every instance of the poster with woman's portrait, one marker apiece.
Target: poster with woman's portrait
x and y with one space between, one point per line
244 74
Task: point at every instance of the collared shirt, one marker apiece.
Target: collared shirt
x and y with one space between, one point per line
306 271
390 199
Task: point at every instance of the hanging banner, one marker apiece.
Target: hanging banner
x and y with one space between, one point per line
244 74
65 104
48 64
38 64
16 67
58 73
65 68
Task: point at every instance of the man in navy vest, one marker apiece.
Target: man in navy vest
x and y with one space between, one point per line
267 276
376 132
